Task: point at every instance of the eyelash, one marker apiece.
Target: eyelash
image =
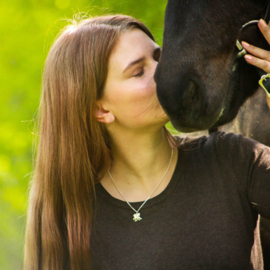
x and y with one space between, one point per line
139 74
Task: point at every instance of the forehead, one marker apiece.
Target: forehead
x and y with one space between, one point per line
131 44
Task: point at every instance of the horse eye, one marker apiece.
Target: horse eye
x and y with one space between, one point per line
156 54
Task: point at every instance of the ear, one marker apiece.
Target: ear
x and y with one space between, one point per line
103 115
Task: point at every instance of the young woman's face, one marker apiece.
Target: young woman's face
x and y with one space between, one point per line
130 89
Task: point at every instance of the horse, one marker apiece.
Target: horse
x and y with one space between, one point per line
203 84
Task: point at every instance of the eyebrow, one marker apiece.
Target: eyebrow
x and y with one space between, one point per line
141 59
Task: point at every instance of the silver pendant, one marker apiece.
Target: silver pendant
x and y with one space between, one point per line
136 217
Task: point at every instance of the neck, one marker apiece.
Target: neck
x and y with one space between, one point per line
139 162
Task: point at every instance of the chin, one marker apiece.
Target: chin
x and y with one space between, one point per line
165 119
160 121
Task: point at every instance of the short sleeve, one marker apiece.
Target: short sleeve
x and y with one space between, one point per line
259 182
250 161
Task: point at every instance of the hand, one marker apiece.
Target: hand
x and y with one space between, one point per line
259 58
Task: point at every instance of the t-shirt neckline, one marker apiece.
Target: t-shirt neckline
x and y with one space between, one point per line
101 191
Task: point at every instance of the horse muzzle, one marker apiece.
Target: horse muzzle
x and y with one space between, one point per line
186 102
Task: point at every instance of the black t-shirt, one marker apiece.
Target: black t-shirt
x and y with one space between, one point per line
204 219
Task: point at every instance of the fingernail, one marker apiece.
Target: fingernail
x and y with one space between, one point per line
262 22
245 44
248 57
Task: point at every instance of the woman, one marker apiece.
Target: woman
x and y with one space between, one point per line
112 188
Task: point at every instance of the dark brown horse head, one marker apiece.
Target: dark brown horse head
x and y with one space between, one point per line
200 81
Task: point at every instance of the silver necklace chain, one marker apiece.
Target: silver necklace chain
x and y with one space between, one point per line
136 216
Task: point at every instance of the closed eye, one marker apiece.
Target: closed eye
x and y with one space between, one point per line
140 74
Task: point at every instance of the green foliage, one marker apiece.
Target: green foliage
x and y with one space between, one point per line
28 28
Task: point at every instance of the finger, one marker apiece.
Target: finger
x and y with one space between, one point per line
260 63
260 53
264 29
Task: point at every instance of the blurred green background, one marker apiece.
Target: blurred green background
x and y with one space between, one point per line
28 28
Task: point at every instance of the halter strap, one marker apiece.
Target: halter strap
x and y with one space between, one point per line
265 80
267 14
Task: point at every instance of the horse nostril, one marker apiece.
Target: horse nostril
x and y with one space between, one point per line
191 94
193 90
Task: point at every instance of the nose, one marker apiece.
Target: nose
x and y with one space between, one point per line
153 71
184 100
191 96
185 94
154 66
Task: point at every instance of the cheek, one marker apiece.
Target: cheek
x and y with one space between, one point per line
134 93
146 89
144 103
136 99
142 98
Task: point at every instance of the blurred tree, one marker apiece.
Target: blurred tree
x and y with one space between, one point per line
28 28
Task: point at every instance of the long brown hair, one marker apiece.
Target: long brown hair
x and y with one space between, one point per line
72 154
